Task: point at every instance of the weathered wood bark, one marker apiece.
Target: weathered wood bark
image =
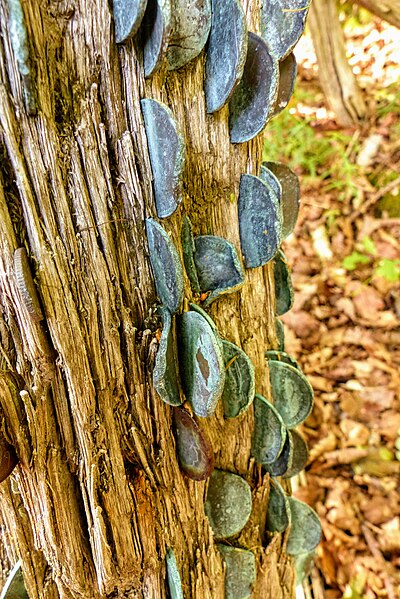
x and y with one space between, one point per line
335 74
389 10
98 495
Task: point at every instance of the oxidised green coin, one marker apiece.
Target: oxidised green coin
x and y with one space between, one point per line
226 52
290 199
280 466
156 28
128 15
253 100
14 587
201 362
239 387
240 572
188 249
278 515
259 221
269 431
280 334
195 452
217 265
305 532
207 317
228 504
287 78
281 356
191 21
167 155
282 23
284 292
292 394
165 373
166 266
304 563
173 576
272 180
299 454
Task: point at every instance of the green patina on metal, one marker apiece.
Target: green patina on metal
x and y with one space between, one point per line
165 373
287 78
269 431
259 221
173 576
281 356
239 389
128 15
292 394
191 22
167 155
305 532
166 266
290 198
284 292
219 270
278 515
155 29
201 363
254 98
226 52
280 334
241 572
282 23
228 504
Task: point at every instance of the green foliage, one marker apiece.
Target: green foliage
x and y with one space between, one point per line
386 268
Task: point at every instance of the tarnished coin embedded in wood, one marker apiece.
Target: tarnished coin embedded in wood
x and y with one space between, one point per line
167 155
282 23
166 265
304 563
278 515
218 267
195 453
188 249
228 504
280 334
238 392
128 15
290 200
226 52
272 180
191 21
201 362
292 394
207 317
165 373
287 78
284 292
281 356
269 432
305 532
259 221
253 100
8 458
26 285
14 587
293 457
156 28
240 572
173 576
299 454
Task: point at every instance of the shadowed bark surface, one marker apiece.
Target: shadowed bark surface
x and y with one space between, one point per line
98 495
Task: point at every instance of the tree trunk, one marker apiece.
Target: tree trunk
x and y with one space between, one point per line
389 10
98 495
336 76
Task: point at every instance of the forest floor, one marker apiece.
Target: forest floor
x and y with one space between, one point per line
344 328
